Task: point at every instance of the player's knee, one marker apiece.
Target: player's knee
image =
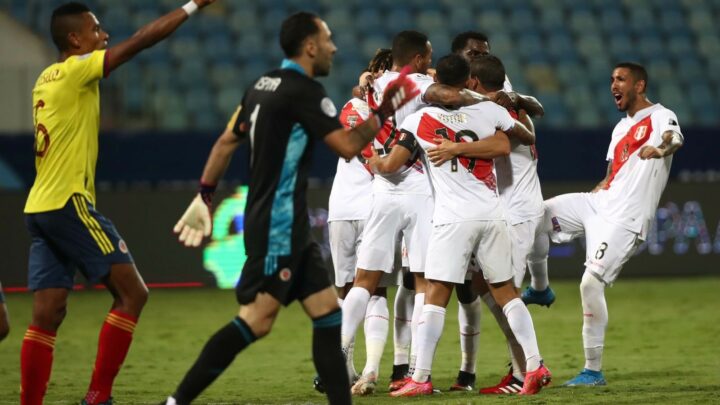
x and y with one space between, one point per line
261 328
51 318
590 286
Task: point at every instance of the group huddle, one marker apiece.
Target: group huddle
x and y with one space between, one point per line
452 185
442 169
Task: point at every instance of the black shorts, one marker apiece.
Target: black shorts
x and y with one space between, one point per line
287 278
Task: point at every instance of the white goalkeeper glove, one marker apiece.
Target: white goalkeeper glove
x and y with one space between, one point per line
195 223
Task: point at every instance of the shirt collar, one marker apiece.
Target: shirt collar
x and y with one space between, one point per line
292 65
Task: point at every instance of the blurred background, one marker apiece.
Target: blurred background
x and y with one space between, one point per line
162 111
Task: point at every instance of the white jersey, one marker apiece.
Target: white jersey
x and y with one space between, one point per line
351 194
518 183
411 177
633 190
465 189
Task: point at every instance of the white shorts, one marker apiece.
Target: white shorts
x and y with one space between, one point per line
608 246
393 216
345 237
452 245
523 237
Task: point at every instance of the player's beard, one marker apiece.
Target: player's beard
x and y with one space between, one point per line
322 68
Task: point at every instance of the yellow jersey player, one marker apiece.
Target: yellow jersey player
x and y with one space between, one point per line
67 231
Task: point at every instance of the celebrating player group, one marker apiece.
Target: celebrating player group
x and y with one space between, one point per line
436 190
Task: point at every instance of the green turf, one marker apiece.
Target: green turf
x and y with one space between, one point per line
662 347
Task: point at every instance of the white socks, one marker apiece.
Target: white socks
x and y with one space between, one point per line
353 312
417 313
469 321
402 333
537 263
376 330
428 334
595 319
521 324
517 355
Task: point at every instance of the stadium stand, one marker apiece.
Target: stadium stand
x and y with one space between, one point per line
559 50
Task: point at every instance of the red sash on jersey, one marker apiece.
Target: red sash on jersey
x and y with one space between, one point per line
350 118
482 169
629 144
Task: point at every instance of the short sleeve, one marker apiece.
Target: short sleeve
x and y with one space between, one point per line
350 117
87 68
666 121
503 120
423 82
315 111
507 86
233 121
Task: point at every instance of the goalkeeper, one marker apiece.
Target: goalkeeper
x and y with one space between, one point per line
281 116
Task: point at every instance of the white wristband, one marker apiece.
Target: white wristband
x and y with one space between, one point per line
190 7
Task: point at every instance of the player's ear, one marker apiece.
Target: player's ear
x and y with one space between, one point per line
311 46
73 39
640 86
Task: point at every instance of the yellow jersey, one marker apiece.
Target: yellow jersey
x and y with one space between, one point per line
66 115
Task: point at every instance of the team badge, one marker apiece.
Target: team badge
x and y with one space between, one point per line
327 106
123 246
285 274
640 132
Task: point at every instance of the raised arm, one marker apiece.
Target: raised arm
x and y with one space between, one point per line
604 181
486 148
151 34
671 142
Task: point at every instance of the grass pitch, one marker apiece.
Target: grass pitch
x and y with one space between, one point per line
662 347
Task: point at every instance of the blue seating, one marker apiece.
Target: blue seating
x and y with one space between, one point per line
561 50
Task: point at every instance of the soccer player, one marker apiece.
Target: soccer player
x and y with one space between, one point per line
4 320
66 229
473 45
468 219
402 201
616 215
349 208
519 190
281 115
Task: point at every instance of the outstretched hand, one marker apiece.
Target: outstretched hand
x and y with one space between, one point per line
444 151
195 223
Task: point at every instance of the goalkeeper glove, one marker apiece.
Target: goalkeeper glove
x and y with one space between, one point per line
195 223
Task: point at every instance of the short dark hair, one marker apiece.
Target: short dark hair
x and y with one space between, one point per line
407 44
295 29
60 27
461 40
452 70
381 61
490 70
637 71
